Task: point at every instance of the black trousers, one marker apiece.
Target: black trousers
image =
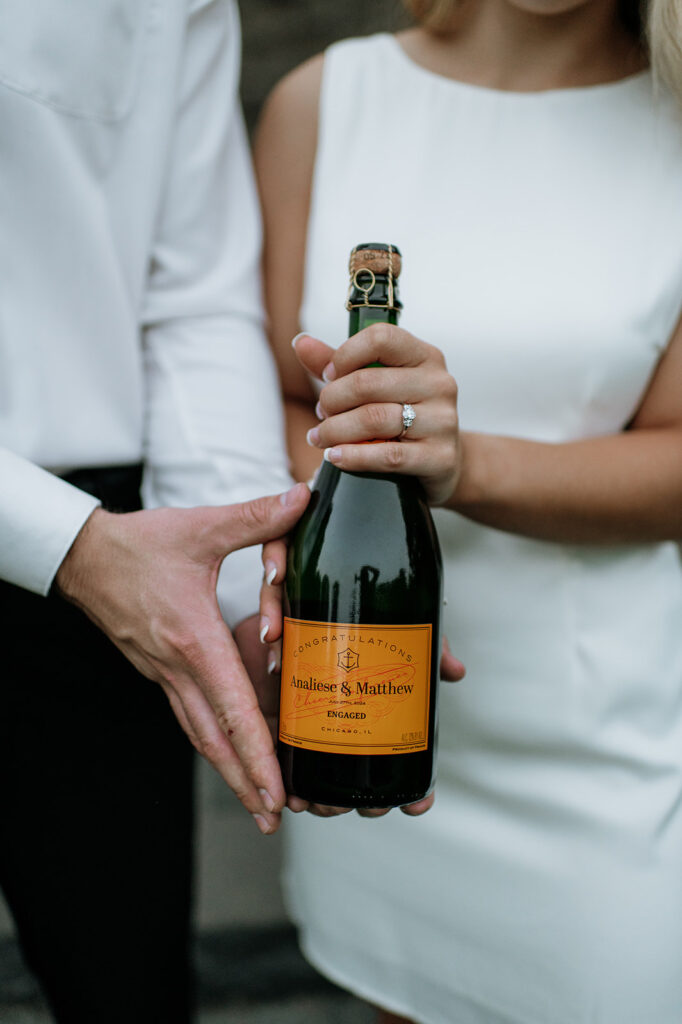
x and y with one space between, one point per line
95 811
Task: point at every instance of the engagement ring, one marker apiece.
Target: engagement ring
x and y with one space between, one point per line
409 416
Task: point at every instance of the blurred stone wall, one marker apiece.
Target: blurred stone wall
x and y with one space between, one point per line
279 34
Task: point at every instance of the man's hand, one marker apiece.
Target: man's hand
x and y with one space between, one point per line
148 580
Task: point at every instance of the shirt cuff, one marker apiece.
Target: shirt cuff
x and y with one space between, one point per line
40 517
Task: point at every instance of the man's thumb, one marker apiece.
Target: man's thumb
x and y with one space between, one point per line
262 519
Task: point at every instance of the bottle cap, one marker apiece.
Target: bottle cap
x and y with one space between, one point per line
377 257
370 261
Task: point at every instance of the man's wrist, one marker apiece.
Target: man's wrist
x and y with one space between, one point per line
68 580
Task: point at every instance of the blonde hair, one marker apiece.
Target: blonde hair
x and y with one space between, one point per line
658 22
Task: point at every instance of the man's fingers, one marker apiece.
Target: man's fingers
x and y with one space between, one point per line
199 723
257 521
312 353
216 667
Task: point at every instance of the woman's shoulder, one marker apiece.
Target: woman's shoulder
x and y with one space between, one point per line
291 111
286 133
299 90
295 97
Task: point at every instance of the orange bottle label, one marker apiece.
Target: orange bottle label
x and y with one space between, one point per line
355 689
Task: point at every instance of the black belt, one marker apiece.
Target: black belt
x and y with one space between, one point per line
117 487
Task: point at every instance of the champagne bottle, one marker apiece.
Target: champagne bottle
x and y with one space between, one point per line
363 593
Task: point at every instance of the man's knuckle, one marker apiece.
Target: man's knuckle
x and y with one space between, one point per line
210 749
241 790
234 720
226 721
184 644
255 513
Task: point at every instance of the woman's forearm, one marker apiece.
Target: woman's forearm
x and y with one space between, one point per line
300 417
625 488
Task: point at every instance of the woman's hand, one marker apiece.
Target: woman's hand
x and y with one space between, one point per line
365 403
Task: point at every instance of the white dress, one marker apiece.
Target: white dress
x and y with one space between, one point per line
542 243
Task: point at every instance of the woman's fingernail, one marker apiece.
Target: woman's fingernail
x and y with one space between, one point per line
301 334
267 800
272 665
329 373
333 455
270 572
318 412
263 824
313 437
264 627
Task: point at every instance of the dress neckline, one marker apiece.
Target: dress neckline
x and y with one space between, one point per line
600 89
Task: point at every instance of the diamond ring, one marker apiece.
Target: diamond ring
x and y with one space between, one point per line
409 416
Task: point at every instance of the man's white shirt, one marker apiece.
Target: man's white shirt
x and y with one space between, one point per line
131 324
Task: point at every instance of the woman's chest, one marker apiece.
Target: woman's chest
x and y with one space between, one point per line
550 281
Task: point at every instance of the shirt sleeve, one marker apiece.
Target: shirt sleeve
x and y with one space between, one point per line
40 516
214 426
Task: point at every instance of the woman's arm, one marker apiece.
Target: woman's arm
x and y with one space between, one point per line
284 153
624 488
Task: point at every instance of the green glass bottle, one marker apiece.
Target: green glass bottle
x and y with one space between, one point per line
363 593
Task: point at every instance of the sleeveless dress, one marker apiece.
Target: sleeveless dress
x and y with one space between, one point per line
542 251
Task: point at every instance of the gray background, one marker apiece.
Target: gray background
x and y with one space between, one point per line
279 34
249 969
